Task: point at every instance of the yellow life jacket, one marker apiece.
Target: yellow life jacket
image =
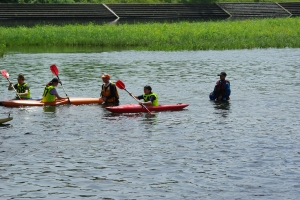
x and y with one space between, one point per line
21 89
146 98
106 92
47 97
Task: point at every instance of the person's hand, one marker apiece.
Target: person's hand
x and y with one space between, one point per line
104 99
130 94
141 103
10 83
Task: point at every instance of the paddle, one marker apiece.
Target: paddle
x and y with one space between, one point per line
6 75
121 85
55 71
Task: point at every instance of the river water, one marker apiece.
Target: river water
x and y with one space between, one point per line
248 148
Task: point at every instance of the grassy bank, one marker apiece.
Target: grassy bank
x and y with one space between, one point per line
263 33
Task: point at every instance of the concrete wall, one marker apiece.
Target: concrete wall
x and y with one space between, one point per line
31 14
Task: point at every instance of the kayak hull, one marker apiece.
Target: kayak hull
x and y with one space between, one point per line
74 101
136 108
3 120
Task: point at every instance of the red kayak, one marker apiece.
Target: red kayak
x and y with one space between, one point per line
136 108
74 101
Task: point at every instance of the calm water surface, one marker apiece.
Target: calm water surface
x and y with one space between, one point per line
248 148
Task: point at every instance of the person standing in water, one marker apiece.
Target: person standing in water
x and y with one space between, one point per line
109 92
222 89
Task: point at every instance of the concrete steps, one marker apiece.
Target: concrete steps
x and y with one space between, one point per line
31 14
293 8
254 10
16 11
168 11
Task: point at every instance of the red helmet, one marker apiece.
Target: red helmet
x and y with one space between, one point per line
105 75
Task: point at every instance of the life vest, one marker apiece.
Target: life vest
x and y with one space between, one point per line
106 92
146 98
47 97
220 88
21 89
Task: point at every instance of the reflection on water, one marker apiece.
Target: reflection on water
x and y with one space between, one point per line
243 149
49 108
62 49
222 107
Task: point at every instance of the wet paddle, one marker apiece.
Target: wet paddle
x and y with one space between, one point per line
6 75
55 71
121 85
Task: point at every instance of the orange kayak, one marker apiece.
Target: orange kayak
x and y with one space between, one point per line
73 100
136 108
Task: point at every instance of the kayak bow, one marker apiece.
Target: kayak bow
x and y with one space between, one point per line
3 120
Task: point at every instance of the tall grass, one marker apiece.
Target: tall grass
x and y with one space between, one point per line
258 33
2 49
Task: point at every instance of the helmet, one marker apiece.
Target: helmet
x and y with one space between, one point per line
105 75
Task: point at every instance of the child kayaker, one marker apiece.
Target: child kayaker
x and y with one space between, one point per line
150 98
50 94
22 88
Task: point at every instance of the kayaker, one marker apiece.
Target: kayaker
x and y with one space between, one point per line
109 93
22 88
150 98
222 89
50 94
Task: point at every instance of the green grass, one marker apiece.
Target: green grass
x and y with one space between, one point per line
246 34
2 49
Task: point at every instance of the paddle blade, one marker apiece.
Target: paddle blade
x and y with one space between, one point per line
4 73
54 70
120 84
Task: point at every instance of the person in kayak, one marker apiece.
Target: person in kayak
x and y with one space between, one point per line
150 98
22 88
109 92
222 89
50 94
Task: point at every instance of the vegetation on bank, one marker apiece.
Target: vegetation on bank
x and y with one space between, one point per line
137 1
220 35
2 49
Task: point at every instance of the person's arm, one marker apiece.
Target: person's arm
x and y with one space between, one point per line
227 90
137 97
25 93
10 86
54 92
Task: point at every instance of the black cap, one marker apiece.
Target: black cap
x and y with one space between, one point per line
222 74
54 80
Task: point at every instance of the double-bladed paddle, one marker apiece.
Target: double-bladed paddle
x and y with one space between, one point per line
6 75
55 71
121 85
